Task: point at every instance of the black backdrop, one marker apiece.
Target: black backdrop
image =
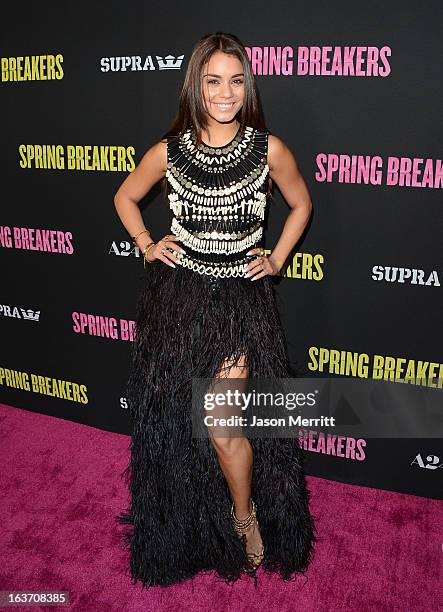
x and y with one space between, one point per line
355 225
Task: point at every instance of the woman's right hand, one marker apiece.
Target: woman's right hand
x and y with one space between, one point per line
159 250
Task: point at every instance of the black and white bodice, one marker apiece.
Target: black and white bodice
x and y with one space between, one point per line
218 198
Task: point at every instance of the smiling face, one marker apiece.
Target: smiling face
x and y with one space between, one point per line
223 86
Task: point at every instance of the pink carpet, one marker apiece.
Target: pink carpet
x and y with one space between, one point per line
61 487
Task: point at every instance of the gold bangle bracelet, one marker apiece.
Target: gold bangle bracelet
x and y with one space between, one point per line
134 238
145 251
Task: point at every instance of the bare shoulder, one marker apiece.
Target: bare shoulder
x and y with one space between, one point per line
156 157
279 154
151 169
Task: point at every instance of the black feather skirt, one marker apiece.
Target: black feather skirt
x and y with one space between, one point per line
178 522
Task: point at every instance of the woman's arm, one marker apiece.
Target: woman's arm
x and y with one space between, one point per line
151 169
284 171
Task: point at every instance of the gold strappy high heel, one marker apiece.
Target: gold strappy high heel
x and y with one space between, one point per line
242 528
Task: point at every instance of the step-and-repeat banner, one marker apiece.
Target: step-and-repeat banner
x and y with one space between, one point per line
355 92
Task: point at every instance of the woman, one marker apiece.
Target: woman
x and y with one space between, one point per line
208 310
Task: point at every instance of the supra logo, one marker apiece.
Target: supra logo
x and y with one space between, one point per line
170 62
432 462
405 275
19 313
133 63
124 249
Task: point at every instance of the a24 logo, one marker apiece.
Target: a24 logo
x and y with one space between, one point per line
432 462
124 249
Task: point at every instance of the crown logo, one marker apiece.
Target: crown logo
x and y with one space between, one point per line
170 62
31 315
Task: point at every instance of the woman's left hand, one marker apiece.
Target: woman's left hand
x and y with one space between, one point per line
261 266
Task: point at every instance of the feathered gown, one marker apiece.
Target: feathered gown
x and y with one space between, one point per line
188 320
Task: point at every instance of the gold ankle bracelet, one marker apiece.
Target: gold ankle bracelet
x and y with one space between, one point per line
242 526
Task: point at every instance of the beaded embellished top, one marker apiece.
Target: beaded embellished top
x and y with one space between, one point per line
217 196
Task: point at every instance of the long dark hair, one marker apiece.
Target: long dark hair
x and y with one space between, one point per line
191 111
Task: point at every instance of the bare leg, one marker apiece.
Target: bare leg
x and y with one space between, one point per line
235 457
